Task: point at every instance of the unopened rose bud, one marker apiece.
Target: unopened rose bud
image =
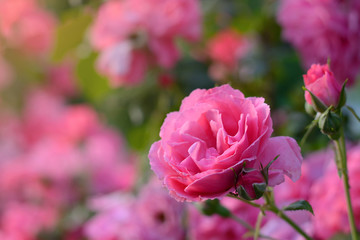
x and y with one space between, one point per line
321 82
330 124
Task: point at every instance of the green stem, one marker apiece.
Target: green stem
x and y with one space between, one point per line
269 197
242 222
284 217
272 207
249 227
341 152
258 225
245 201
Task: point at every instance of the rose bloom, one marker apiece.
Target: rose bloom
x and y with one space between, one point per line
206 145
322 30
322 83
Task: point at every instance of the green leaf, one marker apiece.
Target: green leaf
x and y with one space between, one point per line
70 34
93 86
353 112
212 207
299 205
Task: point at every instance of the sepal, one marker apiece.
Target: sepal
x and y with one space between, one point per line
330 124
318 105
342 98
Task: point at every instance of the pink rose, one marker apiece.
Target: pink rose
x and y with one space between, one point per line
215 133
322 83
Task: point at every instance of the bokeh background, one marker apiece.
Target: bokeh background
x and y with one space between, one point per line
86 84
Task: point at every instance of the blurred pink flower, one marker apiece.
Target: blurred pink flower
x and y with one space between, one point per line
166 80
112 167
62 154
203 227
123 64
227 47
213 135
328 198
322 30
46 115
26 26
25 221
130 35
321 81
160 216
115 219
62 80
152 215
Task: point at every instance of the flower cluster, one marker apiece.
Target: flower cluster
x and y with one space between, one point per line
152 215
131 35
53 157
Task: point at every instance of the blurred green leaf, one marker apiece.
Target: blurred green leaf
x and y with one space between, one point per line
93 86
70 34
214 206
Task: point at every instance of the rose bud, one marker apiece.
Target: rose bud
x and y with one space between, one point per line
321 82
